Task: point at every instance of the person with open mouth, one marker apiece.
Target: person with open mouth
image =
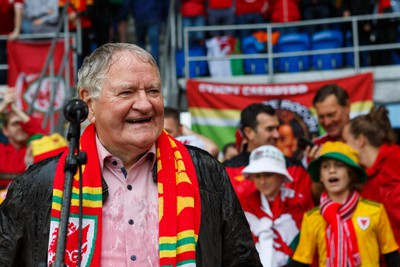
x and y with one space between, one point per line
346 229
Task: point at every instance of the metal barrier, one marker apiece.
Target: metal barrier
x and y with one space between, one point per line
168 67
271 27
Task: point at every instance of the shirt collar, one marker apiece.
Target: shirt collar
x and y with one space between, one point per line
103 154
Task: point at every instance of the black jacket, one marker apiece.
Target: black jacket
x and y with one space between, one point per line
224 238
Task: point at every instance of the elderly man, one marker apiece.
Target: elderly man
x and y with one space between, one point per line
147 199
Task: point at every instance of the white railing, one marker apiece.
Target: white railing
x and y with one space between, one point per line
269 28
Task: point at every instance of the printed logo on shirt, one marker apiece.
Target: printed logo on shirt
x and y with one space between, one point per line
363 222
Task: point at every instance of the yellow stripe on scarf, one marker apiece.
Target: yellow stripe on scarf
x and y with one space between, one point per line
87 203
88 190
185 202
160 202
179 203
174 240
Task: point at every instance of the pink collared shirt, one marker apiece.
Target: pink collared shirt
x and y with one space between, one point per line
130 214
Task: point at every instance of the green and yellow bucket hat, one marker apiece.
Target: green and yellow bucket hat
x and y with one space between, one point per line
339 151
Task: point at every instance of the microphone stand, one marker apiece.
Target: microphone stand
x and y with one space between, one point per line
74 159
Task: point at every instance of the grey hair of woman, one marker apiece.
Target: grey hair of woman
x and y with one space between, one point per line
95 66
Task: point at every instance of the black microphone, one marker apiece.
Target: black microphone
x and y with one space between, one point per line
76 110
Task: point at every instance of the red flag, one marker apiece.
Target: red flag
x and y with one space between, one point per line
26 60
215 107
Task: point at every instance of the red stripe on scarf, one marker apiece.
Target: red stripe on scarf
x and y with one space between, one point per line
91 178
171 223
341 239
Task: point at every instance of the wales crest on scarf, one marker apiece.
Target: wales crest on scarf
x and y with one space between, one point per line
341 239
178 205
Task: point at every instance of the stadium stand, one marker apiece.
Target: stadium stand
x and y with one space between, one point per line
328 39
293 42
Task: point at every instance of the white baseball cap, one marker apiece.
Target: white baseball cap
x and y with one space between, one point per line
267 159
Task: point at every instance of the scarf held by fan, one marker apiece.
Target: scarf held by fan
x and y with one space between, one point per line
178 205
342 247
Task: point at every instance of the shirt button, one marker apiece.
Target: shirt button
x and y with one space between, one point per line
130 221
129 187
133 257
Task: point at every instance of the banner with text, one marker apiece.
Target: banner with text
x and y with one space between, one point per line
215 107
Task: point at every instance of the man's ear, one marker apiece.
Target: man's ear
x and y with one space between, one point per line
84 95
248 133
5 132
361 140
348 108
180 130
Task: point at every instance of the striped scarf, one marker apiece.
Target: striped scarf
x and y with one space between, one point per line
178 200
341 240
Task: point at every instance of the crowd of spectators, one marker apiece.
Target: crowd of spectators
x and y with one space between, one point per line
229 12
365 146
100 21
149 17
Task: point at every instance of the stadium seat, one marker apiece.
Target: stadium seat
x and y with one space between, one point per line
196 68
394 111
395 58
395 52
349 57
293 42
250 45
329 39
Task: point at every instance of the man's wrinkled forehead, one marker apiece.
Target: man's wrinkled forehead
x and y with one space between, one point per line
134 58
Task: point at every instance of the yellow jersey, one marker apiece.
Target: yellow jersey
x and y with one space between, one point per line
372 228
